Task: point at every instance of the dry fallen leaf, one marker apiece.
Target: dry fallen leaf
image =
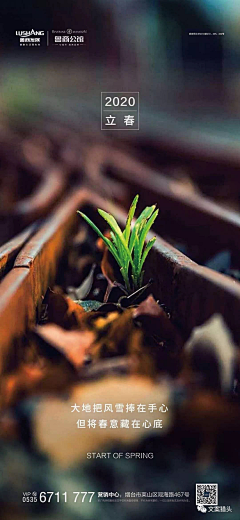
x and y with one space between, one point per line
155 321
108 272
116 335
109 267
63 311
74 345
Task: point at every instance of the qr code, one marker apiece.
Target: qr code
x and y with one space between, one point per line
207 494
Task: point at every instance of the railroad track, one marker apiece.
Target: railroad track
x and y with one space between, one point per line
192 293
185 216
36 184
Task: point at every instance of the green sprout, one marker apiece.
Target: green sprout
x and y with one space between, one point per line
128 247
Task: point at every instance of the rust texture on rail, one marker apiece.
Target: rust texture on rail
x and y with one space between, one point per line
21 294
9 251
191 292
29 190
16 308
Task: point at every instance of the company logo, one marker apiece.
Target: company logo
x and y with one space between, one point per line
30 38
27 34
68 37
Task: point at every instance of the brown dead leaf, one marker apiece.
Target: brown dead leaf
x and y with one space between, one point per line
74 345
63 311
108 272
118 335
115 339
109 266
103 321
155 321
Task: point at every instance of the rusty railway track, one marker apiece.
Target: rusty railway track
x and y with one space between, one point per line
20 217
184 214
174 143
191 292
9 251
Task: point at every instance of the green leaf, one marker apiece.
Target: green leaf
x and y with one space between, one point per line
133 237
145 231
113 238
147 248
127 230
119 247
111 221
146 214
125 278
127 247
124 252
100 234
136 254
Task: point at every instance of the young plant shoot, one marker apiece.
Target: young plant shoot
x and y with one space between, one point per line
128 246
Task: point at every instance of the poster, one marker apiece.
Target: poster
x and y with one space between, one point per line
119 260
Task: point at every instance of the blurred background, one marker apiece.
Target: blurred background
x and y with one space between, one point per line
130 45
183 57
188 83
